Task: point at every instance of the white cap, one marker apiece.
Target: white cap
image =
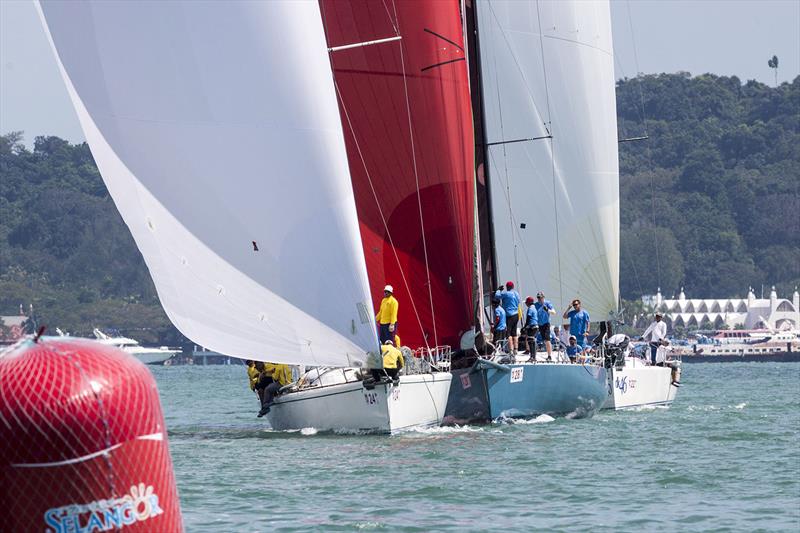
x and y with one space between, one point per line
388 288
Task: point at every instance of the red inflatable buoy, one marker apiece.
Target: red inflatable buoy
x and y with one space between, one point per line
83 445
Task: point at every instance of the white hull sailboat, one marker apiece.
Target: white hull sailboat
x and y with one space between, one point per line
416 401
639 385
633 381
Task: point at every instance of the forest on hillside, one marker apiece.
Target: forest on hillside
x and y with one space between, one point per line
710 201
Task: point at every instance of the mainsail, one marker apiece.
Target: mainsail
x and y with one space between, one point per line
551 148
216 129
403 89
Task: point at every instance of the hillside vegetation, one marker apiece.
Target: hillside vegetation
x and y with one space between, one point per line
711 202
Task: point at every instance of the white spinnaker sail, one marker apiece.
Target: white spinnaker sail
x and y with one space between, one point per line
548 69
216 130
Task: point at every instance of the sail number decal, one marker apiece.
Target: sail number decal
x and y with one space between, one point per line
516 374
371 398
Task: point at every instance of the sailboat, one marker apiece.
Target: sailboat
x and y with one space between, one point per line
548 189
333 165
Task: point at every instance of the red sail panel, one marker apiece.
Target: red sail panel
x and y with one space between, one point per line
405 106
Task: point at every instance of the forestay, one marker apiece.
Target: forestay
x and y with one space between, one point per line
548 89
216 129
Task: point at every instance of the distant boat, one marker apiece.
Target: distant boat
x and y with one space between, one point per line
148 356
746 346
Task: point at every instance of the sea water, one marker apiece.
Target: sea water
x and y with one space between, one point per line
725 456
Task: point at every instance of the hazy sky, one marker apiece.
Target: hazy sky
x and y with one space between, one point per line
730 37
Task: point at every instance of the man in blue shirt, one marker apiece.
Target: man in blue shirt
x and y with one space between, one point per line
579 324
509 298
543 311
573 349
499 328
530 328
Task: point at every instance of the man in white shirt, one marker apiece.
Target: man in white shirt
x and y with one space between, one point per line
654 334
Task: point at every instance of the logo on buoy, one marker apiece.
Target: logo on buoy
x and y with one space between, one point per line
102 515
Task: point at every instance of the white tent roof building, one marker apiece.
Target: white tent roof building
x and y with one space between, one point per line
747 313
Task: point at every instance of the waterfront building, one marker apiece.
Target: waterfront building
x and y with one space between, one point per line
729 313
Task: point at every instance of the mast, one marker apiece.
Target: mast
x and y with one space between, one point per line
482 183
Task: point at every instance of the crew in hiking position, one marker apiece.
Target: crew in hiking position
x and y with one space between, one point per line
387 315
509 299
579 324
655 335
543 311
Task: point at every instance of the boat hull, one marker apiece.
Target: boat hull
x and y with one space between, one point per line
489 391
637 386
152 358
419 400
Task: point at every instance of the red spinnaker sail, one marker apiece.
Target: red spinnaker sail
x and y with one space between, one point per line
405 107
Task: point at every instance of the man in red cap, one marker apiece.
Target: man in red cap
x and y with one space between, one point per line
509 299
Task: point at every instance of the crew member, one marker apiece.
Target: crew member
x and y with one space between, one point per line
655 334
531 326
579 324
263 380
252 374
387 315
392 360
573 349
499 327
509 298
543 311
281 376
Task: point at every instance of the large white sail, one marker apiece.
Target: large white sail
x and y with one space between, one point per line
216 129
548 74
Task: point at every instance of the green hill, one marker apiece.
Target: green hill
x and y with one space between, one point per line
716 186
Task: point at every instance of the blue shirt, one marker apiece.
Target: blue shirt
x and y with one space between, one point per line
499 319
542 312
578 322
509 300
572 351
530 317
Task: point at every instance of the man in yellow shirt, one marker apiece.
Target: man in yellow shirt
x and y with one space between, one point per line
387 315
252 374
392 362
281 376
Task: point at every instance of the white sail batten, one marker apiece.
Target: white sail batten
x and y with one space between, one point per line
216 130
548 75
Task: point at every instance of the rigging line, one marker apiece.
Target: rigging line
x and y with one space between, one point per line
391 20
552 153
416 178
649 150
380 211
426 30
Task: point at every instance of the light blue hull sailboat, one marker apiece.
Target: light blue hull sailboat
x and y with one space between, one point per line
488 391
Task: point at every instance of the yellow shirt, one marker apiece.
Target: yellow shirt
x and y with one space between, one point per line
252 376
280 373
387 314
392 357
